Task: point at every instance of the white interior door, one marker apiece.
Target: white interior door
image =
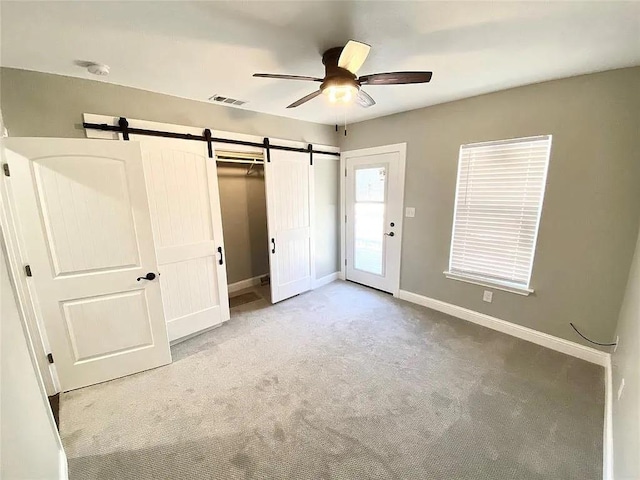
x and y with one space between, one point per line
373 207
83 214
289 189
182 186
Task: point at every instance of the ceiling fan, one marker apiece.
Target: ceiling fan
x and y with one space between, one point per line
340 82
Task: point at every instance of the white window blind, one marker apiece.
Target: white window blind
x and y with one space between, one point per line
498 201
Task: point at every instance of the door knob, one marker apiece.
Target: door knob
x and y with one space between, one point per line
390 234
148 276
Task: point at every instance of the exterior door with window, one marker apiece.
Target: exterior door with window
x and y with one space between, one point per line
373 207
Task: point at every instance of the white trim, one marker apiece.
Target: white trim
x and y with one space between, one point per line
29 344
512 288
505 141
321 282
544 339
607 440
247 283
63 466
26 299
401 149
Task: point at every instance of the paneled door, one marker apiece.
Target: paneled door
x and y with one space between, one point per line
373 205
182 186
289 188
82 211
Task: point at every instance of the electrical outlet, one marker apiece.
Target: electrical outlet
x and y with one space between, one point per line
620 388
410 212
487 296
617 343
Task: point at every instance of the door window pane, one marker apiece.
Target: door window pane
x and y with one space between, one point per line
369 244
370 183
370 189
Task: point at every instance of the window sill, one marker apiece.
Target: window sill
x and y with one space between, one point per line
505 286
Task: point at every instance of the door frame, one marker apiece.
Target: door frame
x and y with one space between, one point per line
34 326
401 149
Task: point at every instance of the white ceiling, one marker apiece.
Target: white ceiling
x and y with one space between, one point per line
197 49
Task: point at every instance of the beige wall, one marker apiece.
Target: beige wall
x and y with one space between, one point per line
44 105
591 208
626 364
244 222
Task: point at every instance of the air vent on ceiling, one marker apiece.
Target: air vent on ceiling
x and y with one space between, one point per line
226 100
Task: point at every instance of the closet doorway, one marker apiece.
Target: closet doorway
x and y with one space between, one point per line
243 204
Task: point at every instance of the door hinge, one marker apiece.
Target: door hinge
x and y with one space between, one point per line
50 357
5 169
27 270
345 262
345 219
345 172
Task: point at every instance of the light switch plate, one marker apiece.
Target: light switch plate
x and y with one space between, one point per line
487 296
410 212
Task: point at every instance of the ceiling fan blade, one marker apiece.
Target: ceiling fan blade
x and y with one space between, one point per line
311 96
353 56
287 77
395 78
364 99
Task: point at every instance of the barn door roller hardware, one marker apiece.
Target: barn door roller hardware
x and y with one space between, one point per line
124 128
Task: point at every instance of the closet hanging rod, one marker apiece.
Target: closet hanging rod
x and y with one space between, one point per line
124 128
234 160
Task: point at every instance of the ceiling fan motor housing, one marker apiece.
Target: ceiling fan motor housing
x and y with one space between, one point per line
334 75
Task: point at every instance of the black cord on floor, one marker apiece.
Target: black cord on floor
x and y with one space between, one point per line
595 343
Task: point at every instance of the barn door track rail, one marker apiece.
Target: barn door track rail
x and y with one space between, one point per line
124 128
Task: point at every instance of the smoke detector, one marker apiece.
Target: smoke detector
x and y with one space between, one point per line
98 69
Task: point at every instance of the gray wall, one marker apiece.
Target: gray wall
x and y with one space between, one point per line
244 222
327 213
44 105
626 364
591 207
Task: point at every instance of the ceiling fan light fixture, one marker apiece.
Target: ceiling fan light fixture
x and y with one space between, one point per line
341 93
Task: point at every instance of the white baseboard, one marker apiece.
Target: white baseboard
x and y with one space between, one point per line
607 440
544 339
321 282
242 284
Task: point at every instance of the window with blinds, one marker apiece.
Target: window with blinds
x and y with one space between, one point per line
498 201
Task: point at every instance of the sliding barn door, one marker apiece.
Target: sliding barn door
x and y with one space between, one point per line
182 187
289 187
82 211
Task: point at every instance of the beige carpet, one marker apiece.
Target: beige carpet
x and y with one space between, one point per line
343 383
